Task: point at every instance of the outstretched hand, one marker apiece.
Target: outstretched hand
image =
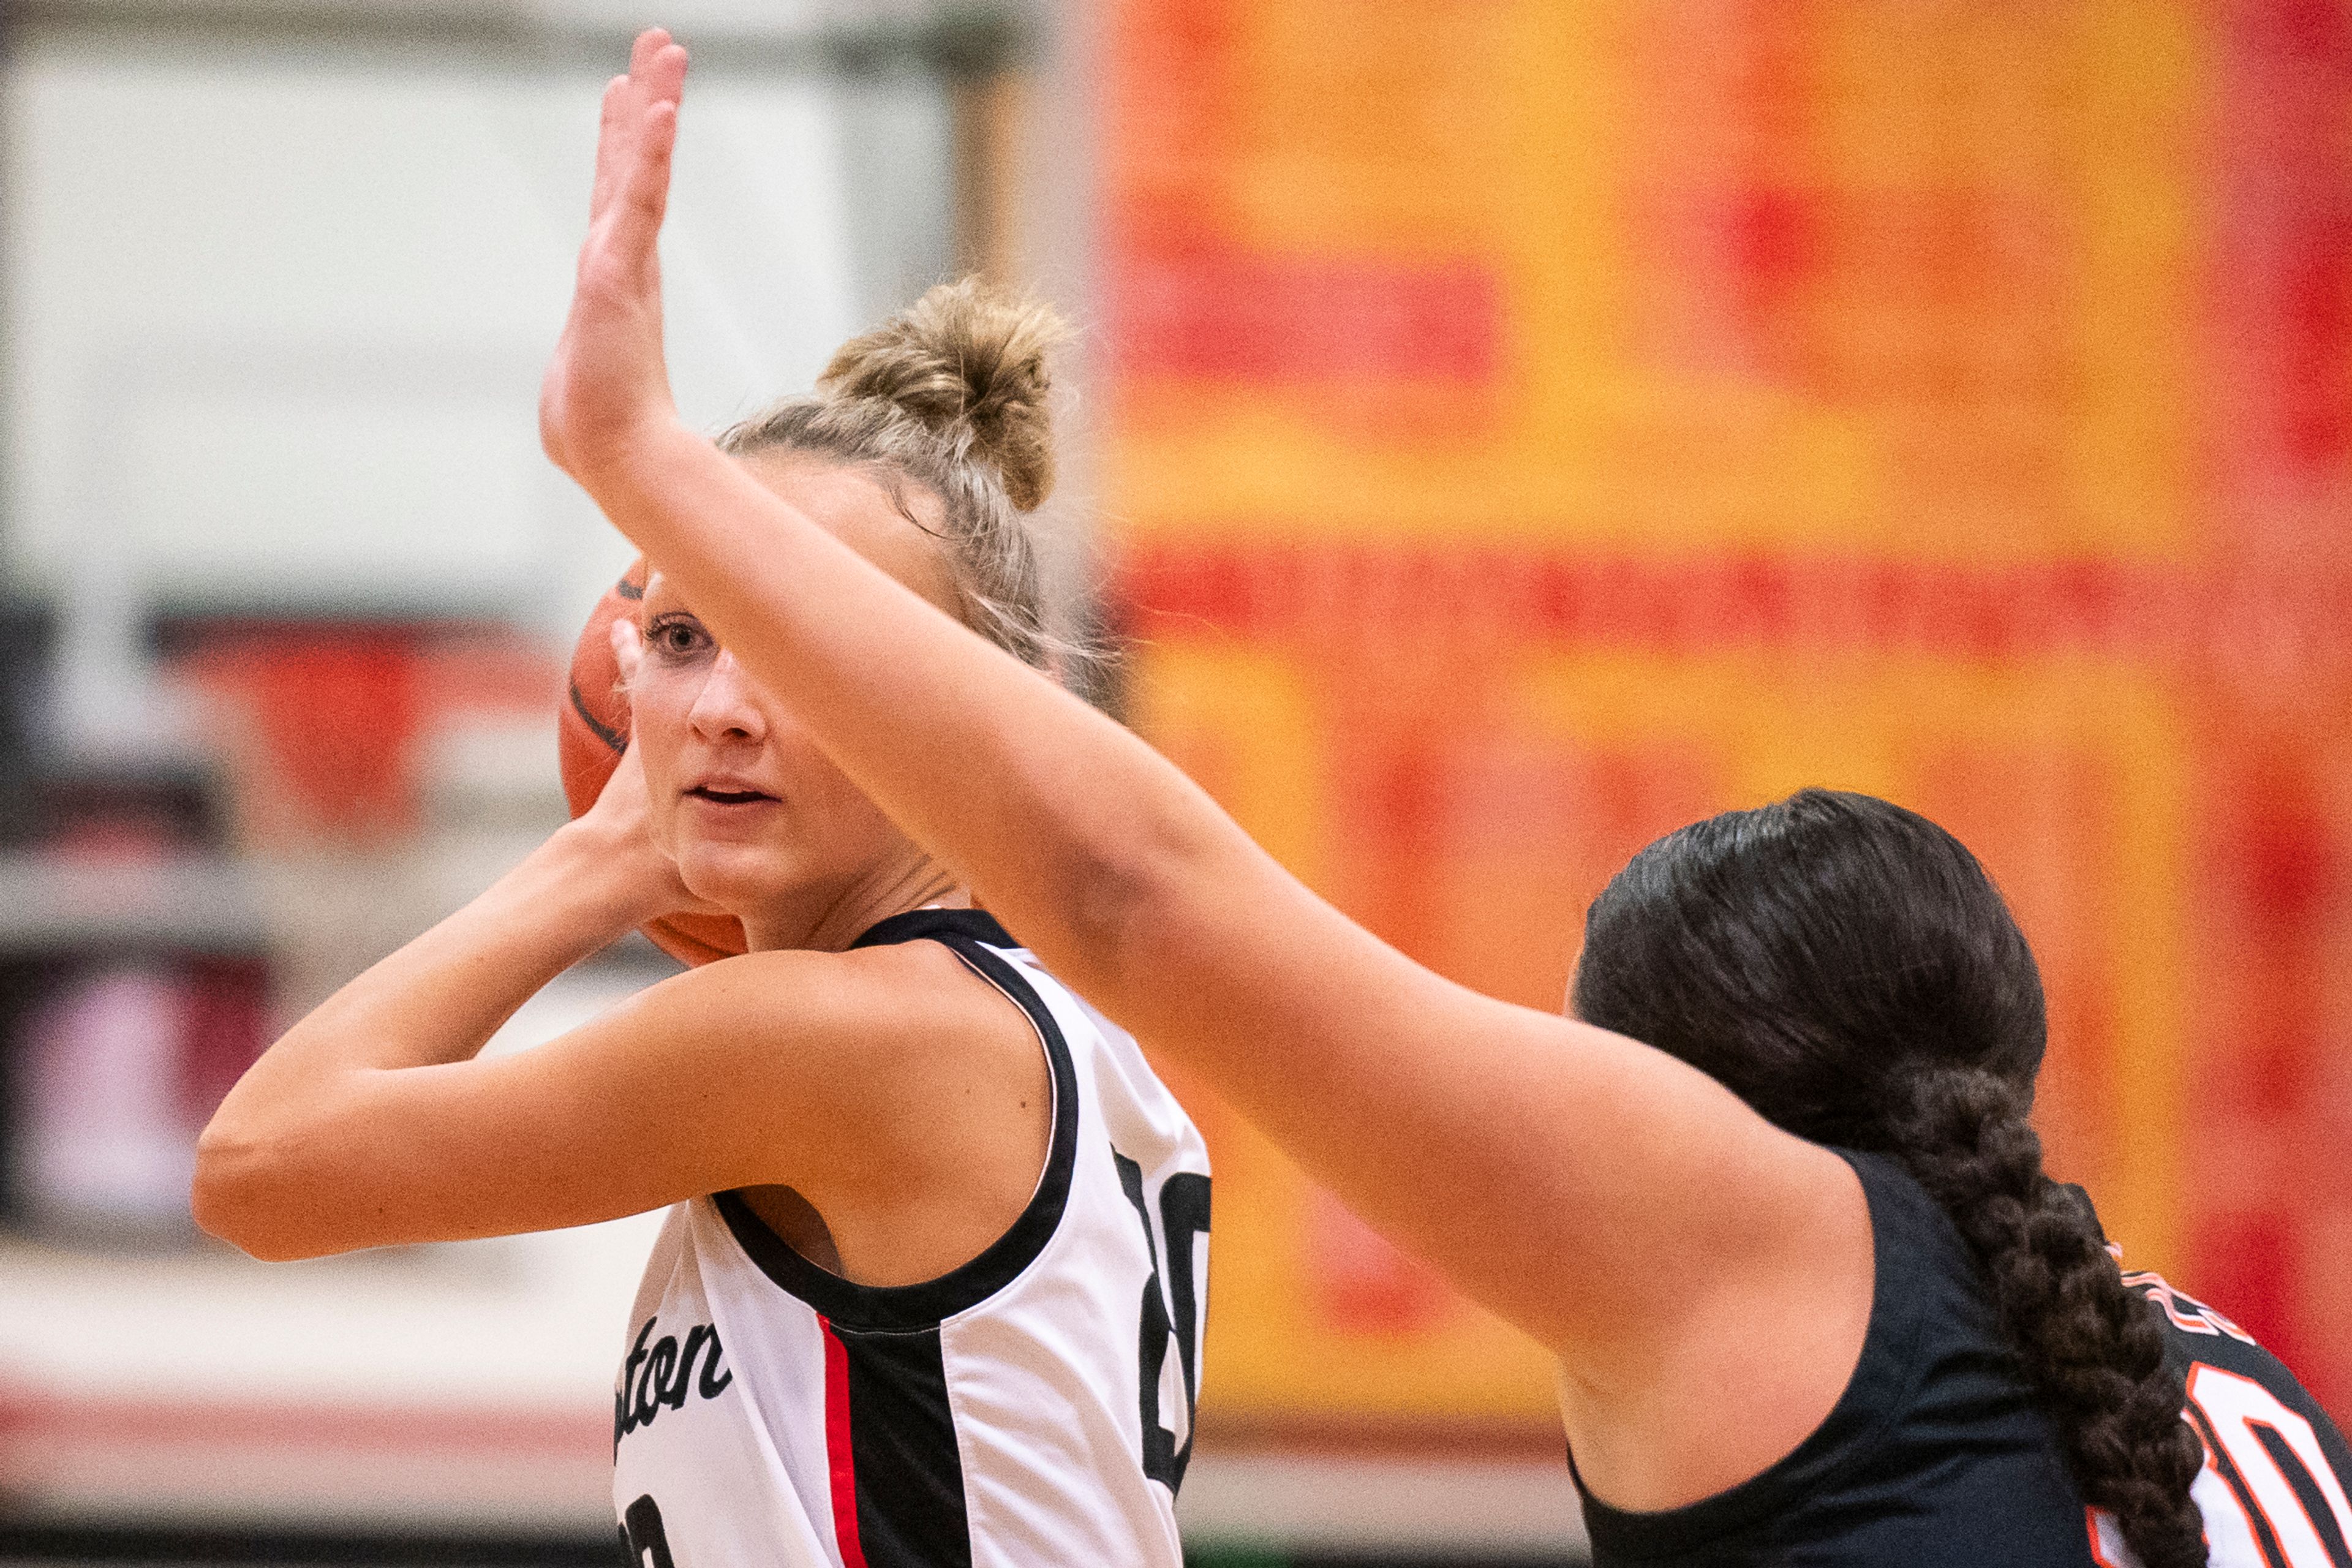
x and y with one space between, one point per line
606 385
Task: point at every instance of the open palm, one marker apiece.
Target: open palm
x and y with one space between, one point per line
606 385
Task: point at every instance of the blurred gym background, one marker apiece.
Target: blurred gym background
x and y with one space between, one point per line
1506 429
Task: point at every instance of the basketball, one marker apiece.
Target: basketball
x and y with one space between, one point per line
591 729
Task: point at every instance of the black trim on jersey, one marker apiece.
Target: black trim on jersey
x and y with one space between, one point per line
902 1445
944 925
970 935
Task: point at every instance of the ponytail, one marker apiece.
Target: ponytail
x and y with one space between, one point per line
2091 1349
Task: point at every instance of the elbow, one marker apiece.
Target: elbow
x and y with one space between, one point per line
244 1195
227 1197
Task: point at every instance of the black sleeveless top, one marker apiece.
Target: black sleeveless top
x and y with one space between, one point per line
1935 1457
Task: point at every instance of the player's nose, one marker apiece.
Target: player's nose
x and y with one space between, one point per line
727 707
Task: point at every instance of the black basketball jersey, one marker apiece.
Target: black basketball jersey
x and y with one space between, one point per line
1935 1457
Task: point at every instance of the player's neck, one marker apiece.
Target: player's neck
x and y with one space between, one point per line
830 923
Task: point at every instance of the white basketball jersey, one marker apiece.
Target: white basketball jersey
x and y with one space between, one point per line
1032 1408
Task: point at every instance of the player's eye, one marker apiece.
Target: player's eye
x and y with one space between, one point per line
677 637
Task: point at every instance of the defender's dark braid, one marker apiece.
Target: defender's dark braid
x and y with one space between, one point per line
1846 967
2092 1349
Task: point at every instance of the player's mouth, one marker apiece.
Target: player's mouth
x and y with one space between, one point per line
730 794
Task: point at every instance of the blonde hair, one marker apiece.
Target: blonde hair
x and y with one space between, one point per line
950 394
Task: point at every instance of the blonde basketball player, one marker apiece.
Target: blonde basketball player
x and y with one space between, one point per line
1770 1197
930 1287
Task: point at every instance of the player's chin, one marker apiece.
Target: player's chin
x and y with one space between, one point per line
737 877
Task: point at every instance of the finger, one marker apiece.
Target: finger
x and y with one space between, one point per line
628 648
643 195
663 78
622 123
608 144
649 42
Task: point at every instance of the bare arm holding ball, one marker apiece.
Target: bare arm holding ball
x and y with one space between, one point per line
892 1091
371 1123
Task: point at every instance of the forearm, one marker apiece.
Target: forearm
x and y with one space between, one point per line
440 997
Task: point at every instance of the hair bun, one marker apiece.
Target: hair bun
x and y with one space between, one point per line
965 355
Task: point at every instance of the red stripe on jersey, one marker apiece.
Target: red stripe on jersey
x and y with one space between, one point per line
840 1460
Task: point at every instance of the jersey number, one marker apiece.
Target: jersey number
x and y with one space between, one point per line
2279 1477
1172 1312
642 1536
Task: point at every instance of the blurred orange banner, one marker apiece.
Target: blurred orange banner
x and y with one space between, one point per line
1537 426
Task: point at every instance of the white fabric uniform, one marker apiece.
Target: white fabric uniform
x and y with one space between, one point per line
1032 1408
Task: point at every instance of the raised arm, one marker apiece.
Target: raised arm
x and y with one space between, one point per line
1596 1193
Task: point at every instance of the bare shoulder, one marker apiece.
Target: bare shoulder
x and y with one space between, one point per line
871 1004
882 1061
